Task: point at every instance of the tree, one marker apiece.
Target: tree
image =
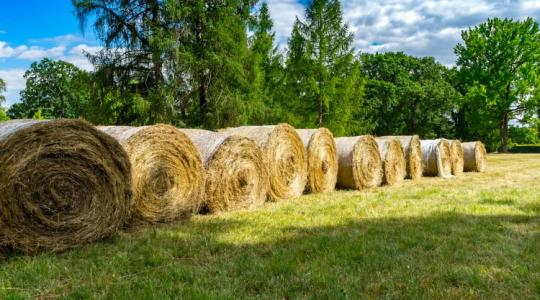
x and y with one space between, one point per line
499 75
409 95
135 35
57 88
269 60
213 64
3 116
323 79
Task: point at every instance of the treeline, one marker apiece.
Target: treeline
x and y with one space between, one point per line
213 64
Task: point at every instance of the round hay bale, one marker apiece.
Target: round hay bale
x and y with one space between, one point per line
63 184
322 159
360 164
168 175
236 170
393 158
457 157
285 154
413 155
474 157
437 158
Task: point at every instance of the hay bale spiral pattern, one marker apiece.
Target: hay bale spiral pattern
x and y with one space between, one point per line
394 165
456 151
285 154
360 164
413 155
168 175
63 184
322 159
236 170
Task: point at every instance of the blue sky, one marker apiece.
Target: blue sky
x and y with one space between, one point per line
33 29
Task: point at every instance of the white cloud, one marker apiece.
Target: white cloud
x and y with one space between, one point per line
417 27
283 13
61 39
15 82
37 53
7 51
77 56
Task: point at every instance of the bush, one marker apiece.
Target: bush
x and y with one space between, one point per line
531 148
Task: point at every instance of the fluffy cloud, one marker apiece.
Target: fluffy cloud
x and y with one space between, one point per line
421 28
15 82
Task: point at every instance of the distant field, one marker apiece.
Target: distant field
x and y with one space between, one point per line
475 236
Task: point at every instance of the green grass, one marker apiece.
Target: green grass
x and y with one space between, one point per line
475 236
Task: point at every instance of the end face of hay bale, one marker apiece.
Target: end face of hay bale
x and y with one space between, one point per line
285 154
63 184
168 174
237 176
393 160
322 159
413 154
360 164
437 158
474 156
456 151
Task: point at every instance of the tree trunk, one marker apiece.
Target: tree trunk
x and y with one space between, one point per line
504 133
320 121
203 100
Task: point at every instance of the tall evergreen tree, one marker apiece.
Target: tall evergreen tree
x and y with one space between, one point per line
134 33
321 69
214 61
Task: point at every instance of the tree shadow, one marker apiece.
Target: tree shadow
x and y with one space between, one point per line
441 256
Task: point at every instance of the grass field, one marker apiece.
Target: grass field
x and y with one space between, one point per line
476 236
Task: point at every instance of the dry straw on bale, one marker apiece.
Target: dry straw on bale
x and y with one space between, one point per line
437 158
474 156
457 157
322 159
168 175
63 184
393 158
413 155
237 174
285 154
360 164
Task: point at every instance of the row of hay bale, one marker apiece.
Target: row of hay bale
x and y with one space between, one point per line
65 183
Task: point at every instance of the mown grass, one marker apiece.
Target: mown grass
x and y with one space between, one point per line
476 236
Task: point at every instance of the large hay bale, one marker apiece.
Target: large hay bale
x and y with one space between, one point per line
237 173
393 158
457 157
360 164
285 154
168 175
413 155
437 158
474 156
322 159
63 184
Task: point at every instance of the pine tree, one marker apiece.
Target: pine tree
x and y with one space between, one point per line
321 69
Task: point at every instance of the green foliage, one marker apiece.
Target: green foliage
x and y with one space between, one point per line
499 77
57 88
523 135
408 95
323 83
3 115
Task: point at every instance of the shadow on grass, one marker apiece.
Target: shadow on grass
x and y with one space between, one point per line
448 255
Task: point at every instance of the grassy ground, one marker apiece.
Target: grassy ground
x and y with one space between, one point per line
476 236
